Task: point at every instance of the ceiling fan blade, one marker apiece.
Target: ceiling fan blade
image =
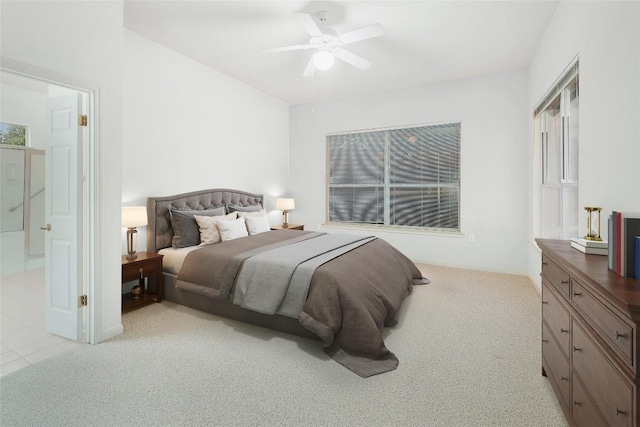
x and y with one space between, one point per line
308 23
368 32
351 58
287 48
310 69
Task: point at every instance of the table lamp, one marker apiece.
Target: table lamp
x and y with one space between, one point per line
132 217
285 205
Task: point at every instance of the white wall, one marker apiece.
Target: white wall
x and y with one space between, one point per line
83 41
188 127
494 116
606 37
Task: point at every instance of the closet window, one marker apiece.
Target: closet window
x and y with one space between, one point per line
557 122
399 178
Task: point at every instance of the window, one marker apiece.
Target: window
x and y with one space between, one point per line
11 134
557 123
404 177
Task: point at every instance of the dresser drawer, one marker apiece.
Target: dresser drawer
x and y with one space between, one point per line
140 269
616 332
584 410
556 366
556 316
611 393
556 276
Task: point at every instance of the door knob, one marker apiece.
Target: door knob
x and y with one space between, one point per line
46 227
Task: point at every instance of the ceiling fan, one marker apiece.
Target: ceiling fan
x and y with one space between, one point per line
328 43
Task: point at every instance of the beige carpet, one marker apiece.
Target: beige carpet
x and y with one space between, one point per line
468 344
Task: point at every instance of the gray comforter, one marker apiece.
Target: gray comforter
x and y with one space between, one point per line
277 280
351 296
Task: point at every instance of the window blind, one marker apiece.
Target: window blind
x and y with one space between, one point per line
406 177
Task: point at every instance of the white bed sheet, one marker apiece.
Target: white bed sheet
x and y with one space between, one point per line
174 258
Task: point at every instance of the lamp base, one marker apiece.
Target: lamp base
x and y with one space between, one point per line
132 241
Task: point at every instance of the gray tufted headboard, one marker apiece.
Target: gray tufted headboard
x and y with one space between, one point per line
159 231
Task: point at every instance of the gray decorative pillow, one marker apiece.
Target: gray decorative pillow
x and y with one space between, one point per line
237 208
185 228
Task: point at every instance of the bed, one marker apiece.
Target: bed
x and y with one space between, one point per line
339 289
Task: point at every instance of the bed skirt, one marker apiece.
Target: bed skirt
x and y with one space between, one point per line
232 311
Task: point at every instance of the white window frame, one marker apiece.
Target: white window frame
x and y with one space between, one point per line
568 173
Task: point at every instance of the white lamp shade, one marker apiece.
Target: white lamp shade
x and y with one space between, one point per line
134 216
285 204
323 60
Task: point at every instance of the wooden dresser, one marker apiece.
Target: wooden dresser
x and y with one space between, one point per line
590 320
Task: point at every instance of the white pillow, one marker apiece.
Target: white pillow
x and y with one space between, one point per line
232 229
257 224
263 212
208 225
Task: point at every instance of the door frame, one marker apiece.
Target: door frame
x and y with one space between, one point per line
90 235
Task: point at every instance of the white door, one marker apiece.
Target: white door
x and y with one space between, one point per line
63 208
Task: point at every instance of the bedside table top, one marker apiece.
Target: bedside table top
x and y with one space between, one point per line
142 256
289 227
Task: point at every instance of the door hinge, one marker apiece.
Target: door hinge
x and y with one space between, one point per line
82 120
82 301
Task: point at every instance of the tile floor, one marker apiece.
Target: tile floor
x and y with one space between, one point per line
23 338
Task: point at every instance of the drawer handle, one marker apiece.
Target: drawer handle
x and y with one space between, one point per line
141 274
564 282
619 335
564 378
545 302
564 331
576 403
619 412
577 349
576 294
544 341
544 262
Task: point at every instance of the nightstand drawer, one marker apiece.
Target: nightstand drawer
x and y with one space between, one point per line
140 270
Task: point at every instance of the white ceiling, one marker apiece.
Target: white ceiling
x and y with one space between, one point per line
424 41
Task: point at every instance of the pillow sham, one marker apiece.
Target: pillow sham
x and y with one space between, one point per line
262 212
209 233
257 224
232 229
185 228
237 208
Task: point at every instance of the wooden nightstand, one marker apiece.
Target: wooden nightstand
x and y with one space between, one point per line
145 265
290 227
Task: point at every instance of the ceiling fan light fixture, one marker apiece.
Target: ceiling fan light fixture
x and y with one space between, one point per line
323 60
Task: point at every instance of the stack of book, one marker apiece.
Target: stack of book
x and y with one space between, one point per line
624 256
591 247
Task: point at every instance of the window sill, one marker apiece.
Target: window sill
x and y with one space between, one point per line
399 230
